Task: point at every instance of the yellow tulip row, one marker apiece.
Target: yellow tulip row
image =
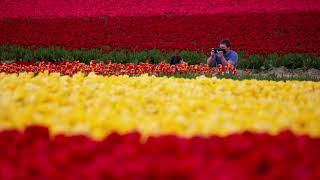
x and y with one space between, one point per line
98 105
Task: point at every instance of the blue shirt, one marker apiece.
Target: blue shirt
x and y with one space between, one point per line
230 56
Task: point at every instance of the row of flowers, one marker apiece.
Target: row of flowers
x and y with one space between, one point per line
98 105
35 154
94 8
254 33
70 68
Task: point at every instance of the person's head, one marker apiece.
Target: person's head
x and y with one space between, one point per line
225 44
175 60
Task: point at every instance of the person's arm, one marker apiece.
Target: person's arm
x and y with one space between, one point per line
233 59
211 61
223 59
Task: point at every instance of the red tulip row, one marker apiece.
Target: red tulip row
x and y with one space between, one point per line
93 8
254 33
33 154
70 68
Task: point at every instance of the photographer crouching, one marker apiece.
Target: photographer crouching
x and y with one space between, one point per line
223 55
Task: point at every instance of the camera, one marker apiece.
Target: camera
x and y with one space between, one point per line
216 50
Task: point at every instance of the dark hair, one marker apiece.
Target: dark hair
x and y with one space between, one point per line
226 42
175 60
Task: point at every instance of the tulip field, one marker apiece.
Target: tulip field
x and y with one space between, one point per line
87 90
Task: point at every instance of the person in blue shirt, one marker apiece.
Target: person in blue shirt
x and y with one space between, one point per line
229 56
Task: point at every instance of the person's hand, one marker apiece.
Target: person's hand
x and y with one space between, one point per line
220 54
212 52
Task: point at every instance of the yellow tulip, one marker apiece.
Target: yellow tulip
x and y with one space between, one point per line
98 105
